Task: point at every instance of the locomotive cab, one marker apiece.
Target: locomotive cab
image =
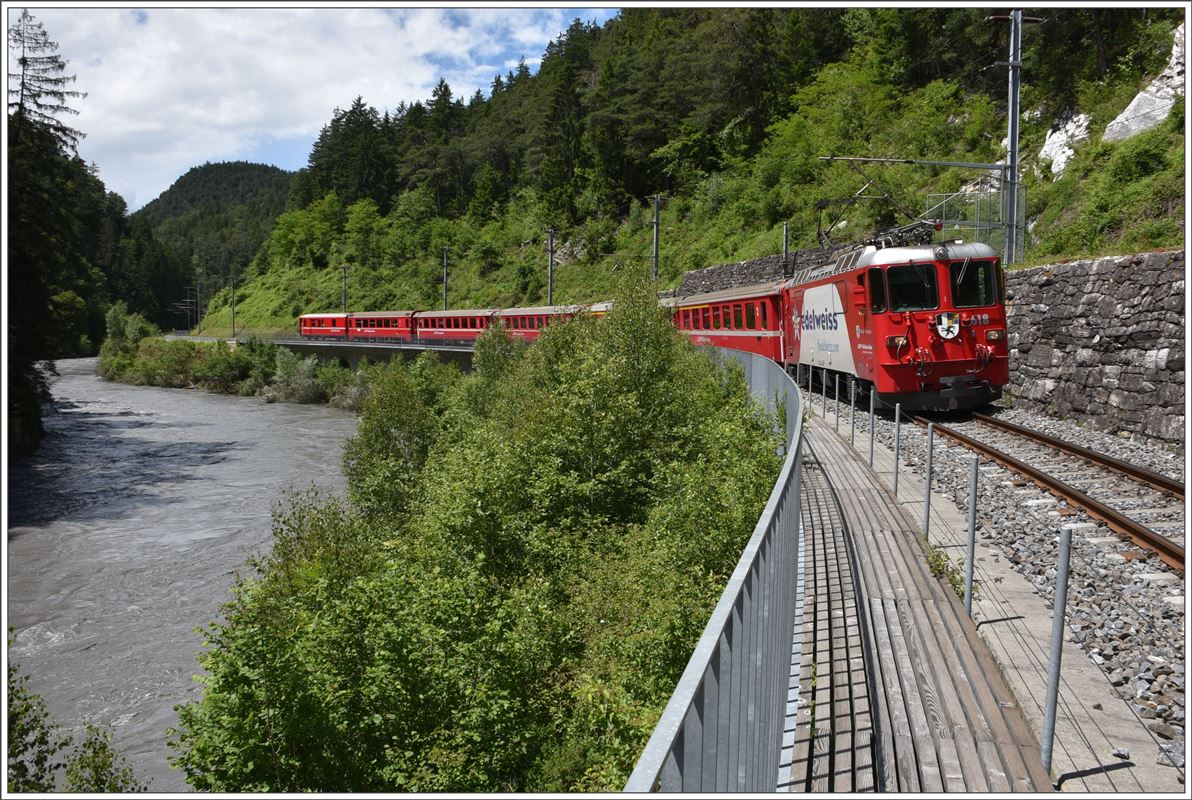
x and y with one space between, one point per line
938 326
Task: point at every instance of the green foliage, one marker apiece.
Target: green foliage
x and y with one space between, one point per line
942 567
38 753
400 420
294 379
159 362
1114 195
213 219
529 556
125 332
224 369
726 111
34 746
98 767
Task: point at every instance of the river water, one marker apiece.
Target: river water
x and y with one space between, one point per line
125 532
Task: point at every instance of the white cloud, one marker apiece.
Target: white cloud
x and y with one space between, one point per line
169 88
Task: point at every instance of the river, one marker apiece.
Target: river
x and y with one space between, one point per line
125 532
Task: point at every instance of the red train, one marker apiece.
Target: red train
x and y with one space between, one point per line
462 326
920 323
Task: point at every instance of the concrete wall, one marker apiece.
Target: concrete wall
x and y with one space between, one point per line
1101 342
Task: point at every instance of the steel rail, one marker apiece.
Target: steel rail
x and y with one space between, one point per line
1143 474
1168 551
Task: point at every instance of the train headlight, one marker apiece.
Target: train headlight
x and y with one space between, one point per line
896 341
995 335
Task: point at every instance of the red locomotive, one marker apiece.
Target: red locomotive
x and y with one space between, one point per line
921 323
918 322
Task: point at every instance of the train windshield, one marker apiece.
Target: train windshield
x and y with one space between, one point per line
912 287
974 283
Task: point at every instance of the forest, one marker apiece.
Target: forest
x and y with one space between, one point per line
724 114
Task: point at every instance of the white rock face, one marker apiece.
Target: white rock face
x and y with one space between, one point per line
1152 105
1060 139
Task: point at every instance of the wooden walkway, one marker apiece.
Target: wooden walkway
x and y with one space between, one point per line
897 691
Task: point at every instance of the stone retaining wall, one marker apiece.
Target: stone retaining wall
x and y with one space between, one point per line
1101 342
767 269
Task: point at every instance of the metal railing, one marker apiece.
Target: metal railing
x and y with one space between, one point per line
722 729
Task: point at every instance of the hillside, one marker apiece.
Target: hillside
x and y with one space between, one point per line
216 216
725 113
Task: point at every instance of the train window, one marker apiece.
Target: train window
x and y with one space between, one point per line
877 291
972 283
706 321
765 324
750 317
716 318
738 317
912 287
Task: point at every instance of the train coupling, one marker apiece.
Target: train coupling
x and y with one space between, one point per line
965 391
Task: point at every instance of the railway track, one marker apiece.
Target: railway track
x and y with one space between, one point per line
1141 505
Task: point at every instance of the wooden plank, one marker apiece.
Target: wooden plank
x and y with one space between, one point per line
994 771
929 767
967 722
923 657
900 733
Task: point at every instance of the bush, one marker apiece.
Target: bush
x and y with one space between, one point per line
294 379
223 369
530 555
347 388
124 334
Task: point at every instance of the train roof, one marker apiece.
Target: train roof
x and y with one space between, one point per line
538 311
463 312
384 314
874 256
900 255
739 293
333 314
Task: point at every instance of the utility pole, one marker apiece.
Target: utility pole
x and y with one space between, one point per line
786 244
1010 170
444 278
655 237
344 289
1011 182
550 267
233 303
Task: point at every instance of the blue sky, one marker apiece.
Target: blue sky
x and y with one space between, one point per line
169 88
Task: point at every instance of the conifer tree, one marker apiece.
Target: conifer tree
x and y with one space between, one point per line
37 90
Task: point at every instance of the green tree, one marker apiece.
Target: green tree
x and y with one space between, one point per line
530 553
37 89
46 253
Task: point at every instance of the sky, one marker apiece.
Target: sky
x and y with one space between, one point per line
169 88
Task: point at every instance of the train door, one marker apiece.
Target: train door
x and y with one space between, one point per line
792 324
